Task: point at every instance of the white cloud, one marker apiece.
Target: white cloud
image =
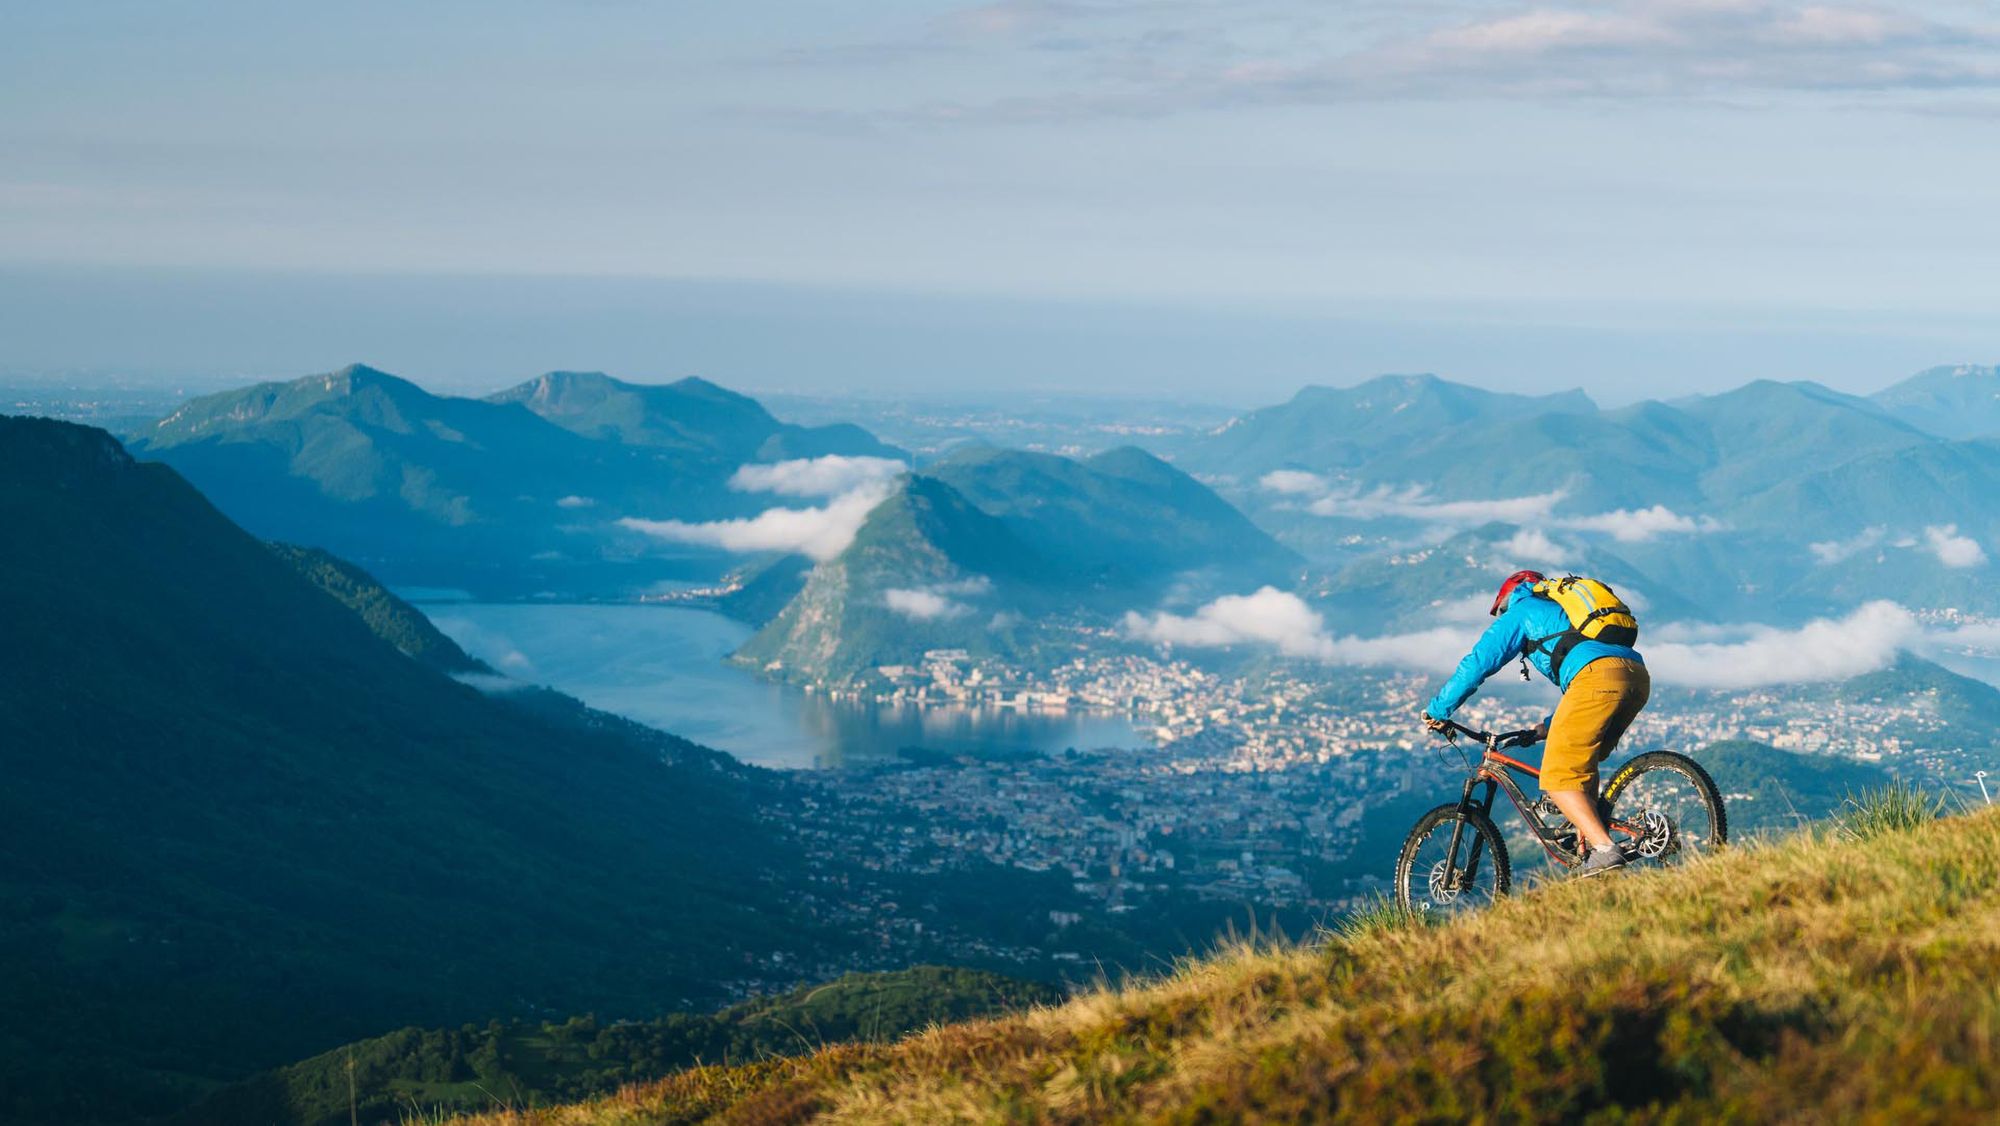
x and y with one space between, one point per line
1687 655
1269 616
1415 503
1285 622
923 605
1412 502
1747 657
828 476
1293 482
1829 552
1532 546
1952 549
576 502
818 533
1637 525
938 600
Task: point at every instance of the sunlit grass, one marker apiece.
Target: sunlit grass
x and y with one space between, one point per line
1827 976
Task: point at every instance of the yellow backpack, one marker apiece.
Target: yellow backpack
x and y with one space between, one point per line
1596 613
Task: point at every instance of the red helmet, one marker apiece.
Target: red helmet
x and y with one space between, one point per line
1507 588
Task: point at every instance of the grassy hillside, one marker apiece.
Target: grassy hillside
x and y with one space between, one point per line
1816 979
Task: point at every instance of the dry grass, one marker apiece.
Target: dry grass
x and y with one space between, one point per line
1818 979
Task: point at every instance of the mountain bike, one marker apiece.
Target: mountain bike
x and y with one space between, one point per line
1661 808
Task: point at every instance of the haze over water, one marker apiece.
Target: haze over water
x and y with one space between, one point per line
665 667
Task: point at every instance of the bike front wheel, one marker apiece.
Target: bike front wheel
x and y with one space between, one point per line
1434 879
1665 809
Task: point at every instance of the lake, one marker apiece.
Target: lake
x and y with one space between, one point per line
663 665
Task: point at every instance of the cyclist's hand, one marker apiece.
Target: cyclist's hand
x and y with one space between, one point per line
1542 732
1432 723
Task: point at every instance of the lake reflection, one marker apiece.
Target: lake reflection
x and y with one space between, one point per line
664 666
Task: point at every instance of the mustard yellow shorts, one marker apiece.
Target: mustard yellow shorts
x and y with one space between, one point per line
1600 703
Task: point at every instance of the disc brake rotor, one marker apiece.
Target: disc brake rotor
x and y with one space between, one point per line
1440 883
1660 837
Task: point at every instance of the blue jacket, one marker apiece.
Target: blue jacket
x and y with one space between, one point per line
1528 618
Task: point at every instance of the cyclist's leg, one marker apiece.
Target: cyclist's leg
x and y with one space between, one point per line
1598 706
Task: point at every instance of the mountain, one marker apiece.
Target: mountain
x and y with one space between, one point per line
1333 428
691 414
243 827
1766 432
999 552
927 570
1958 401
540 1062
1826 978
486 495
1121 513
1785 498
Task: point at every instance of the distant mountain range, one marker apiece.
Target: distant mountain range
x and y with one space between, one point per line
250 811
1779 499
515 493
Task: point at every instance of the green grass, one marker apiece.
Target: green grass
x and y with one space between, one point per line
1821 977
1890 808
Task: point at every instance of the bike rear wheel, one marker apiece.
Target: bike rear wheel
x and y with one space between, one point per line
1666 809
1433 882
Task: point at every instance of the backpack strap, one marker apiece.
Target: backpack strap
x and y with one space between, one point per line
1557 646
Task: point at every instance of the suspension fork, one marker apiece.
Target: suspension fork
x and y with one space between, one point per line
1454 875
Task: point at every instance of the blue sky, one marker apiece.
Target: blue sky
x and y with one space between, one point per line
1513 194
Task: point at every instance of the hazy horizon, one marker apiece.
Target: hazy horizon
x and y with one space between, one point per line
1640 197
214 328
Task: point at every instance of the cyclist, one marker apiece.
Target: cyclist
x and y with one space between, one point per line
1604 687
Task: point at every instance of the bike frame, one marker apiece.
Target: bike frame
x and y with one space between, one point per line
1492 773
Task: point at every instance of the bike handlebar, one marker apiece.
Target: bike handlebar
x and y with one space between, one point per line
1450 728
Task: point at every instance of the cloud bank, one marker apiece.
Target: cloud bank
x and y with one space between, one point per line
855 484
828 476
1626 525
1682 655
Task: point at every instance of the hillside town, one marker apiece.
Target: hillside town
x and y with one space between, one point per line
1276 788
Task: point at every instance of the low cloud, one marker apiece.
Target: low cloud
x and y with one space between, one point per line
924 605
576 502
1293 482
1626 525
1637 525
854 484
1533 546
828 476
1952 549
937 601
1753 656
818 533
1829 552
1691 655
1414 503
1942 541
1285 622
1269 616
